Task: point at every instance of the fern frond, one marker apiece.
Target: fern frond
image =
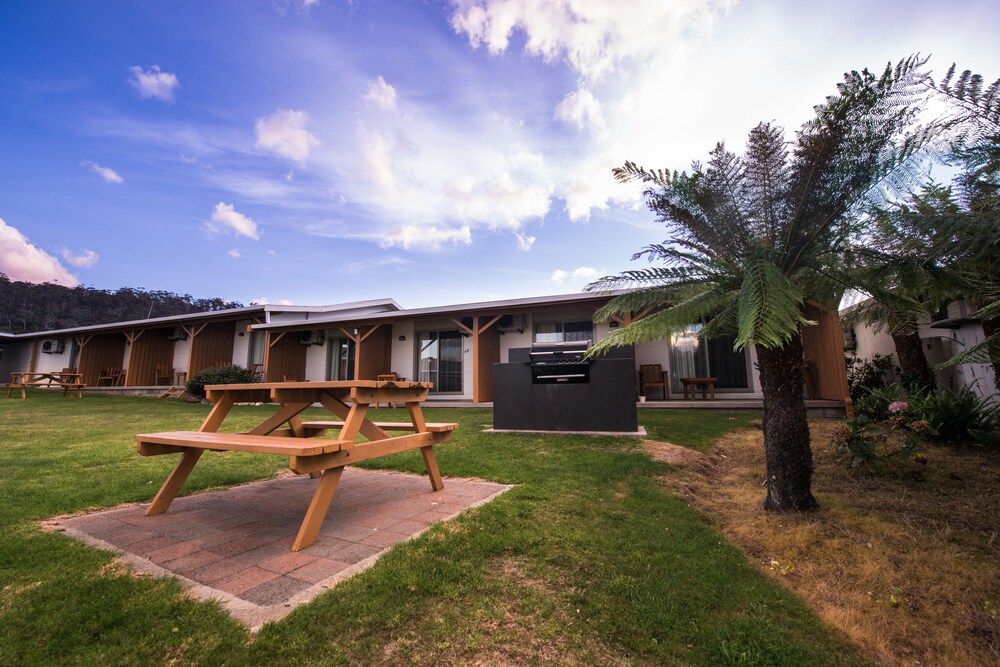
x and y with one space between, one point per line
769 306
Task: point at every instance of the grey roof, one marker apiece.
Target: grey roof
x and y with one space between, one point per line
454 310
111 326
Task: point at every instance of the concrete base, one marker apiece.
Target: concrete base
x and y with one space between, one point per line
640 433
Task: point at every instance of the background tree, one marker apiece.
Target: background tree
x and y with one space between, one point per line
754 237
42 306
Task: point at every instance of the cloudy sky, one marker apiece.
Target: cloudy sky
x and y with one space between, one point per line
318 151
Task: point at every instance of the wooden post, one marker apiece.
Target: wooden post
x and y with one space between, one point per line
34 356
192 332
132 337
477 391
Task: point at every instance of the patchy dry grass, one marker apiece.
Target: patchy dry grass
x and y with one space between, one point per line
905 563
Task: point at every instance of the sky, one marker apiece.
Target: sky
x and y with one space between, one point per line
324 151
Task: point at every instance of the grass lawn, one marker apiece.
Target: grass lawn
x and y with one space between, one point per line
589 560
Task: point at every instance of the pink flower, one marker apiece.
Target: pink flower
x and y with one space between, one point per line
898 406
920 426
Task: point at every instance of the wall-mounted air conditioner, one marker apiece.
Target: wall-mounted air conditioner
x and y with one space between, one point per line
177 333
53 346
511 323
316 337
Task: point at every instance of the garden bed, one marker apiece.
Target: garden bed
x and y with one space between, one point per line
904 560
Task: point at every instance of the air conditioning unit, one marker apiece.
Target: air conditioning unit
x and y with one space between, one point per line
511 323
53 346
177 333
316 337
961 309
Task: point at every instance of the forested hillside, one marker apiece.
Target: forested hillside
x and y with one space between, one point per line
39 307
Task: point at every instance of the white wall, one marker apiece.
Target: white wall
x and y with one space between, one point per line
316 361
47 363
402 360
16 357
180 361
241 344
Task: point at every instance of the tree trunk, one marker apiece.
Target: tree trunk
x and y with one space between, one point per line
912 360
990 327
786 430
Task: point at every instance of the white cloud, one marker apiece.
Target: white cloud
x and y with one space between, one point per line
234 253
225 216
426 237
21 260
107 173
306 4
524 242
154 83
284 133
582 109
86 258
381 94
579 275
633 61
593 36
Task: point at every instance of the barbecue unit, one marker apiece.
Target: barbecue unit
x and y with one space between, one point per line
554 387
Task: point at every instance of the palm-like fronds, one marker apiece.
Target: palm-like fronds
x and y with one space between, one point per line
752 236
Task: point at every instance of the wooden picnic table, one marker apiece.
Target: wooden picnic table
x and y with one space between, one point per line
69 381
285 433
691 386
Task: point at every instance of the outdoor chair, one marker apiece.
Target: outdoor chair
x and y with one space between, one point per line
652 376
109 375
165 373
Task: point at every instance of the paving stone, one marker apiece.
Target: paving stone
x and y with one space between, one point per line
289 561
318 570
216 571
244 580
191 561
276 591
146 547
175 550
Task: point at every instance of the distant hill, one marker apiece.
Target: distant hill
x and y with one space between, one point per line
28 307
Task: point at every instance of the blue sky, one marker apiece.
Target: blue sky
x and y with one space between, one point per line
322 151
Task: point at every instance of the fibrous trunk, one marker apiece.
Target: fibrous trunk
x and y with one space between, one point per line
786 430
990 327
912 360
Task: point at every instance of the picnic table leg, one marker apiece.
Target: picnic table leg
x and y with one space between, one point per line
174 482
218 414
432 467
317 508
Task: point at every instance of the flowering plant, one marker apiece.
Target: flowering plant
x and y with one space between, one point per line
899 436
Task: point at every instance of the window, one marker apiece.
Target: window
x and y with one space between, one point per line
255 354
440 360
691 356
560 332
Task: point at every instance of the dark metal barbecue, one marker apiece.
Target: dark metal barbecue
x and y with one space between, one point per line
554 387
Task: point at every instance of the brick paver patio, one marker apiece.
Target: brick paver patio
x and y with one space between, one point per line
234 545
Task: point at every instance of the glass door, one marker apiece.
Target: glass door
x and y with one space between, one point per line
341 361
691 356
440 360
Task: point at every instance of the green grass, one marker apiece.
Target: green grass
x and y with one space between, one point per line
588 559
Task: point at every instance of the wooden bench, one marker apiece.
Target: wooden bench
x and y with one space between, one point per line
320 427
171 442
691 387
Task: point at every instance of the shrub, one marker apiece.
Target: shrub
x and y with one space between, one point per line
871 374
874 403
217 375
961 418
898 437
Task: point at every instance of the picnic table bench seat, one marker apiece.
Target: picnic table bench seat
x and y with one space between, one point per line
433 427
235 442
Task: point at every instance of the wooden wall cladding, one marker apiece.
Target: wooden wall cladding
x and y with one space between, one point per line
213 346
488 353
100 352
149 350
375 353
823 347
287 357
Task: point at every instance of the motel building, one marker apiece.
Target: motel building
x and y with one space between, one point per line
452 346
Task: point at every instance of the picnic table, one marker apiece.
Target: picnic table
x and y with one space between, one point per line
285 433
691 386
68 380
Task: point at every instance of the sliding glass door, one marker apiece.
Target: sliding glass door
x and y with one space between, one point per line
440 360
691 356
341 361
